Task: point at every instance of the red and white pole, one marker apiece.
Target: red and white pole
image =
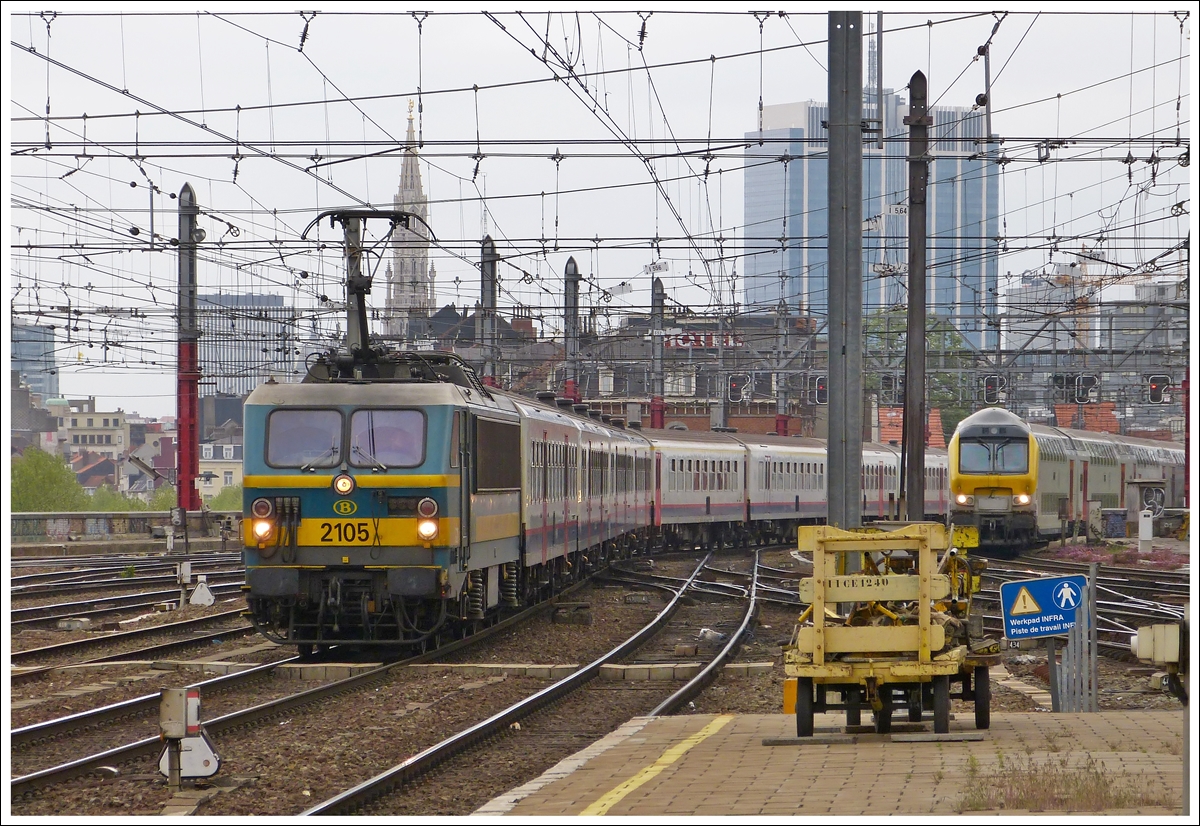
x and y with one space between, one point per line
188 393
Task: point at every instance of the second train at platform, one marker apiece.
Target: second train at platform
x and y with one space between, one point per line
1014 485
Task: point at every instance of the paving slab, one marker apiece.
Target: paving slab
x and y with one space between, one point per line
703 765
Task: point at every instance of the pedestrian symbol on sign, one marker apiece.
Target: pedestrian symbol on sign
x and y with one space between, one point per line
1066 595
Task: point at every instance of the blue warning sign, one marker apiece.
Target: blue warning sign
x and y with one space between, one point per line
1041 607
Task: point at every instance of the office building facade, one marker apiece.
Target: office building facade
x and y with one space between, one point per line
33 357
787 227
244 340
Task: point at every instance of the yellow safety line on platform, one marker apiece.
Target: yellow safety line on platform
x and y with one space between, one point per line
669 756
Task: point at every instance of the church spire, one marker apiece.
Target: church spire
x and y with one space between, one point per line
409 283
410 174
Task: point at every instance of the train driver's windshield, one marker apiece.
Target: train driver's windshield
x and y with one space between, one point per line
304 438
387 438
993 457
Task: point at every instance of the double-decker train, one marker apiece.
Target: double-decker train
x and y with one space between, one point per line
416 502
1014 484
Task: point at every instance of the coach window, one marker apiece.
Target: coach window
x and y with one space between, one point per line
497 455
304 438
391 438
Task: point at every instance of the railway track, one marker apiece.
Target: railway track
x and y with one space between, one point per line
113 563
103 581
87 727
116 757
545 729
115 605
487 742
74 653
135 753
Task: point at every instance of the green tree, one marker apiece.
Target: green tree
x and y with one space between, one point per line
948 363
41 483
229 499
107 499
164 498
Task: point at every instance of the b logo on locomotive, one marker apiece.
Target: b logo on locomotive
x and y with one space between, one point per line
344 507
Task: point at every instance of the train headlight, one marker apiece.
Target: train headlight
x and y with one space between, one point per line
263 528
343 485
427 529
1022 499
964 499
262 508
427 508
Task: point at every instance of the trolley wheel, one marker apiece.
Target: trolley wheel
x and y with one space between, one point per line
853 697
983 697
915 709
804 707
883 717
941 704
305 651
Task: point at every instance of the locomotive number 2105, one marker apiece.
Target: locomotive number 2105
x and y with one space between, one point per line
345 533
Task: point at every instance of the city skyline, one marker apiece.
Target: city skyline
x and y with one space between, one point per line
961 222
637 159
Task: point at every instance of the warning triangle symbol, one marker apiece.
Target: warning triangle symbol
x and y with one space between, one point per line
1024 604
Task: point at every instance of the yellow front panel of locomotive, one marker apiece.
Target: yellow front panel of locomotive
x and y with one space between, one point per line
362 532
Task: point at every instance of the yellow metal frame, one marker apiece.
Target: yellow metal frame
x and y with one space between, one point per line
887 653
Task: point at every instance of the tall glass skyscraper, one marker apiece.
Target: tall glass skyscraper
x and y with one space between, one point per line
245 339
787 227
34 357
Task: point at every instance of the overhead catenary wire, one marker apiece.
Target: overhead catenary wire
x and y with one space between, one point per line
274 211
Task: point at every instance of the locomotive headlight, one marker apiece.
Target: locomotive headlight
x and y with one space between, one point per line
427 529
343 485
262 508
1022 499
427 508
263 529
964 499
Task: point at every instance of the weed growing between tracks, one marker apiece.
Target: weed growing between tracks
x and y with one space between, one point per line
1057 783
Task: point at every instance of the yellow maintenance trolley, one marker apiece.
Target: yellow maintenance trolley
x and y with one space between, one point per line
895 628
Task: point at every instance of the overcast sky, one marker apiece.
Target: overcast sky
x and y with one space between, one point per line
270 135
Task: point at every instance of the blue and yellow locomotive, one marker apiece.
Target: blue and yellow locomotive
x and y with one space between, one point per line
388 510
418 503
